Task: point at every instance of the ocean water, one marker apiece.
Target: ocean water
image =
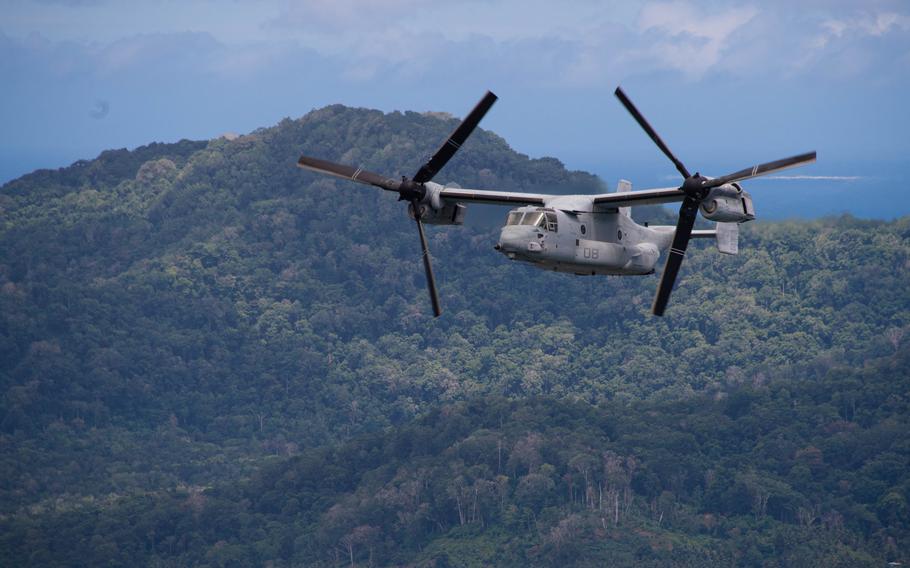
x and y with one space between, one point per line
873 191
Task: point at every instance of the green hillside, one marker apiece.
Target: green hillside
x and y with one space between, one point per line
237 357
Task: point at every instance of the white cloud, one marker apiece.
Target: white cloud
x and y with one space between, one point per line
884 23
838 35
875 25
591 44
817 178
687 39
673 177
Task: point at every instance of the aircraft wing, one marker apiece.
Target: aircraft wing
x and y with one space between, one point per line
643 197
625 199
461 195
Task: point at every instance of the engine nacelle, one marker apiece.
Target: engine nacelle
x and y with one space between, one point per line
728 204
448 214
434 210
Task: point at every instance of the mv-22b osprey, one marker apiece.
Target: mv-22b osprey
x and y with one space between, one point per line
579 234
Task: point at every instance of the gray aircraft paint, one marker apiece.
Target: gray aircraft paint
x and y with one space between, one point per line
590 238
584 234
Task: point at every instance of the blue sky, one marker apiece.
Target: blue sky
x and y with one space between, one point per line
727 84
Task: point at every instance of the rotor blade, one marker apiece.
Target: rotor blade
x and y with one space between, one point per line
431 280
455 140
687 213
763 169
621 95
347 172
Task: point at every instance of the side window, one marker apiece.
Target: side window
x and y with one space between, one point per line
584 229
551 222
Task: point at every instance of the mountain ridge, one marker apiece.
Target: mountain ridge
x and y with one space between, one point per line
183 315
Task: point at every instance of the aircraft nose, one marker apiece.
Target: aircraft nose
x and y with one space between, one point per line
514 239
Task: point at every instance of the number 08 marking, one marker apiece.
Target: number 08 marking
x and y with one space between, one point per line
591 253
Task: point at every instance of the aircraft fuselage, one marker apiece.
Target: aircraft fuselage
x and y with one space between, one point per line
569 235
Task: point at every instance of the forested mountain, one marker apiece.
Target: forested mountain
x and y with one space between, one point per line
210 356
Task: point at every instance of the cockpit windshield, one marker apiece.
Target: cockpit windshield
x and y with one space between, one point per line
546 221
533 218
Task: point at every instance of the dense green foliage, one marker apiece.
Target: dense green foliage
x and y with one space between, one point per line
790 473
195 315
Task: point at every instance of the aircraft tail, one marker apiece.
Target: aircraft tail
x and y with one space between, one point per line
726 234
624 186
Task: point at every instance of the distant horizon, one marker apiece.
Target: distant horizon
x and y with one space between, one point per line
780 197
725 83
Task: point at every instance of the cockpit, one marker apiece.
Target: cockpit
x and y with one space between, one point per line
541 218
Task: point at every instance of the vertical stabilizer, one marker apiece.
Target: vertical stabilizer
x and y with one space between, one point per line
624 186
728 238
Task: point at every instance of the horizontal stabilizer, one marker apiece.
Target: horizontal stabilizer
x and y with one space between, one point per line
728 238
727 235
